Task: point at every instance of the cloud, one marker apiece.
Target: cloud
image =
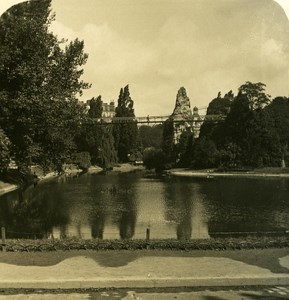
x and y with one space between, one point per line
206 46
113 60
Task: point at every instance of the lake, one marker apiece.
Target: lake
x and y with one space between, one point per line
123 206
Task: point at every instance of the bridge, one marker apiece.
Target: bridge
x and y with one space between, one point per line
158 119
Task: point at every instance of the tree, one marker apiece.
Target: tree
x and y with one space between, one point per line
95 107
256 95
205 154
125 134
39 85
95 138
168 145
262 148
230 156
218 106
185 149
4 151
278 110
154 159
151 136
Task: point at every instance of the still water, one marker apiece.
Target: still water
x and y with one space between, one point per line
124 205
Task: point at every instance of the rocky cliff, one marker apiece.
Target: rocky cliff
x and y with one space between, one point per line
182 109
184 117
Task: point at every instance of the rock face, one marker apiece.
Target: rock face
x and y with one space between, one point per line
186 121
182 109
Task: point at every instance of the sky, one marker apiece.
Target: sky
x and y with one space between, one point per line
157 46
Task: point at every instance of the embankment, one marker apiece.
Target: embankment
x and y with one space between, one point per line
212 173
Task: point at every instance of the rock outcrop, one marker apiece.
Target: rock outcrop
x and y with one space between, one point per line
183 117
182 109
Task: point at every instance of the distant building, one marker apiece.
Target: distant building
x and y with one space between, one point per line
108 110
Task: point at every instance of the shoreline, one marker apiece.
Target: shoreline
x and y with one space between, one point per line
122 168
213 174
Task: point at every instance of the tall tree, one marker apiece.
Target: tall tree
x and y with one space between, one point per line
39 85
151 136
185 149
95 138
125 134
95 107
168 145
278 110
256 94
218 106
262 146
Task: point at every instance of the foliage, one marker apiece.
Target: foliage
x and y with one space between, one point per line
125 134
218 106
97 139
263 146
168 145
150 136
154 159
39 84
205 154
256 95
278 110
82 159
185 148
95 107
4 151
107 153
229 156
254 134
218 244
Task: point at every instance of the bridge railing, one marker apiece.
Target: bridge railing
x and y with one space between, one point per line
159 119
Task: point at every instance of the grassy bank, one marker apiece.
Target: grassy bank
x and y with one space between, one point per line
210 173
170 244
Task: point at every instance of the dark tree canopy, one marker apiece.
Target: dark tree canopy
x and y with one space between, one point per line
4 151
254 132
218 106
256 95
97 139
40 79
95 107
125 134
151 136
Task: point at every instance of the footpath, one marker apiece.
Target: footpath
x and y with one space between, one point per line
133 269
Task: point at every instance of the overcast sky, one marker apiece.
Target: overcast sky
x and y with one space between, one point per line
157 46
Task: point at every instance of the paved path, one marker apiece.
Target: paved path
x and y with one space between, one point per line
143 272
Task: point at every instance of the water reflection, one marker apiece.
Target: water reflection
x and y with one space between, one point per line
123 206
32 213
113 205
185 208
247 205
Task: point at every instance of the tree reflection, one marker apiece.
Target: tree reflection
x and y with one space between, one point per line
115 199
31 213
178 199
240 205
125 212
185 206
97 226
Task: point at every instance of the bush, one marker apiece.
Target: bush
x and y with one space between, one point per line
154 159
83 160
